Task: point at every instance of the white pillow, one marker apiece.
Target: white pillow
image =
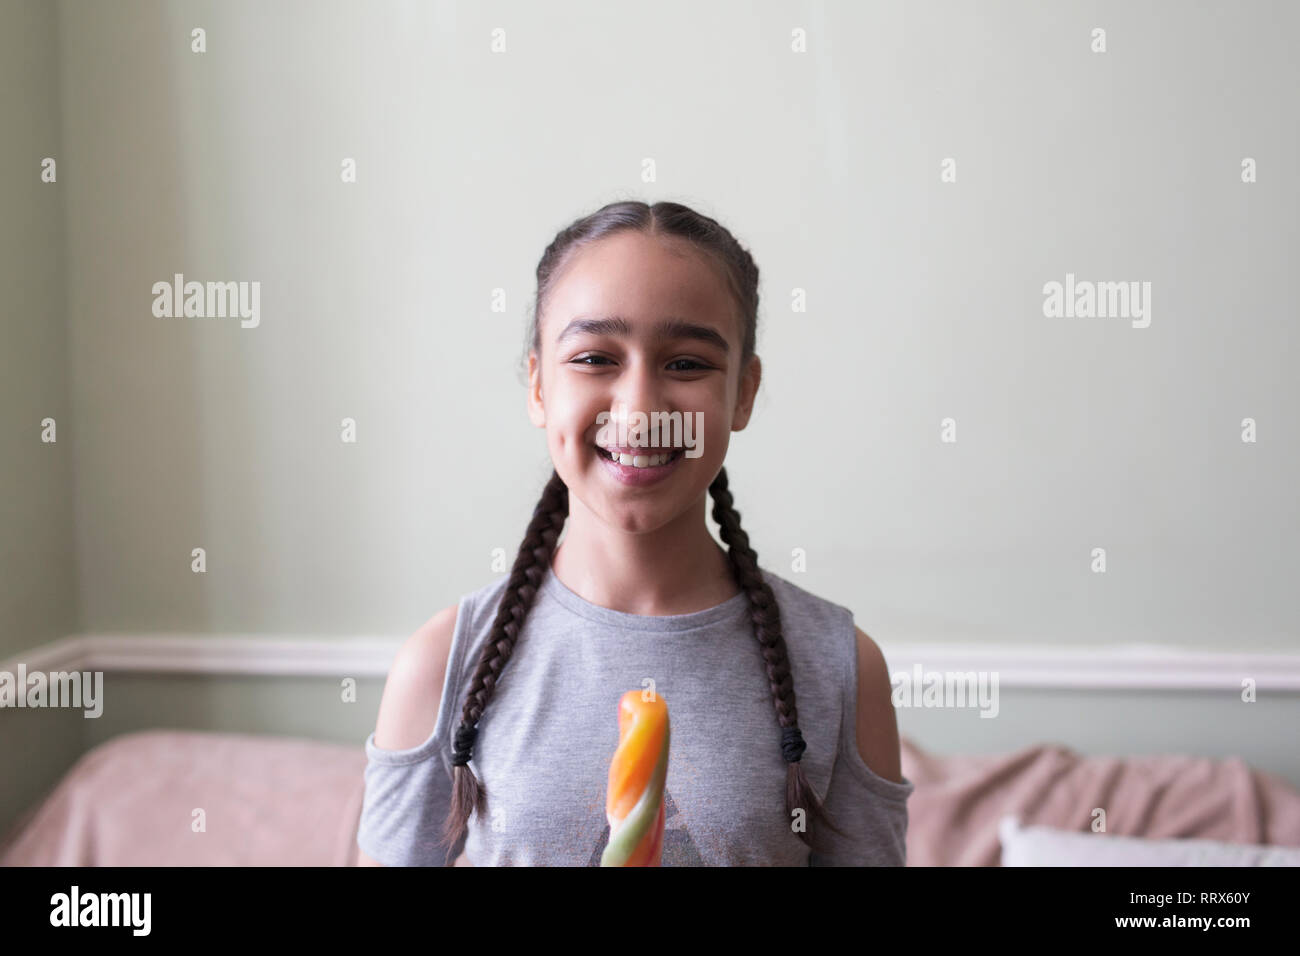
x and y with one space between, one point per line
1048 846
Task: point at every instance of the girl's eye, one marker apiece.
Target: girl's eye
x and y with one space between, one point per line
583 360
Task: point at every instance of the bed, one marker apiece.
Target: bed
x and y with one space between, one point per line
185 798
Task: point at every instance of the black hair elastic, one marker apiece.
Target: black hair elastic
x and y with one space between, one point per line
792 744
465 737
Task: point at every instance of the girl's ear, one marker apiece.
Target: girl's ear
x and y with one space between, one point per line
749 380
536 410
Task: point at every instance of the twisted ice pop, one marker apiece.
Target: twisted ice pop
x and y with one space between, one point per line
634 804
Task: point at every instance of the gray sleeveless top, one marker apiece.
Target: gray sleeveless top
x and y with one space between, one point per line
546 738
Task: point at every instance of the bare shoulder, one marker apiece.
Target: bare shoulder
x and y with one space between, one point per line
877 725
413 691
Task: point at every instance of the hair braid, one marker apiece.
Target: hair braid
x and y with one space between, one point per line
765 614
532 562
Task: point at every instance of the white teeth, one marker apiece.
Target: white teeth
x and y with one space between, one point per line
643 461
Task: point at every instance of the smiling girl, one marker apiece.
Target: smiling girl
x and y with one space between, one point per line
649 309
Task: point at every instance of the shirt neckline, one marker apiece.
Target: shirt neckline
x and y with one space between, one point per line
572 601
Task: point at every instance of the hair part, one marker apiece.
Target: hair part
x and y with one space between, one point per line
552 510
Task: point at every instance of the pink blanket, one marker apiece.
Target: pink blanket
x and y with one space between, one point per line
954 811
278 801
133 801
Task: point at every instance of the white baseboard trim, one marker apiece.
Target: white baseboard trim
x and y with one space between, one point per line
1107 667
1113 667
215 654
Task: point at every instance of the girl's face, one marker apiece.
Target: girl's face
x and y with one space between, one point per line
629 367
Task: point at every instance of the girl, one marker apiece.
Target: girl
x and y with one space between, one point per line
639 309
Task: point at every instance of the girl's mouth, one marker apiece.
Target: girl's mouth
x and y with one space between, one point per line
642 469
641 461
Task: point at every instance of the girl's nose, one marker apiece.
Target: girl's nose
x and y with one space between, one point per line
639 390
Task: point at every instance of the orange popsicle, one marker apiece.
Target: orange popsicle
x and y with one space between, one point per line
634 803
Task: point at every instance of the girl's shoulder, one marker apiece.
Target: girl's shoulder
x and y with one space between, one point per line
478 608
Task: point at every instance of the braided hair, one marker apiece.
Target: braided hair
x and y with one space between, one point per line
552 510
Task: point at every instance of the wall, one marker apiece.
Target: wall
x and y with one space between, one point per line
38 565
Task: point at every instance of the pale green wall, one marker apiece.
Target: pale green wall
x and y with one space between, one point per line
38 601
38 571
924 301
300 706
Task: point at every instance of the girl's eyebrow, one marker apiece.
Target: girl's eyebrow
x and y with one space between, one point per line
671 328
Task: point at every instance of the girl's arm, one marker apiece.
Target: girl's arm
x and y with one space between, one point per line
877 725
408 710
